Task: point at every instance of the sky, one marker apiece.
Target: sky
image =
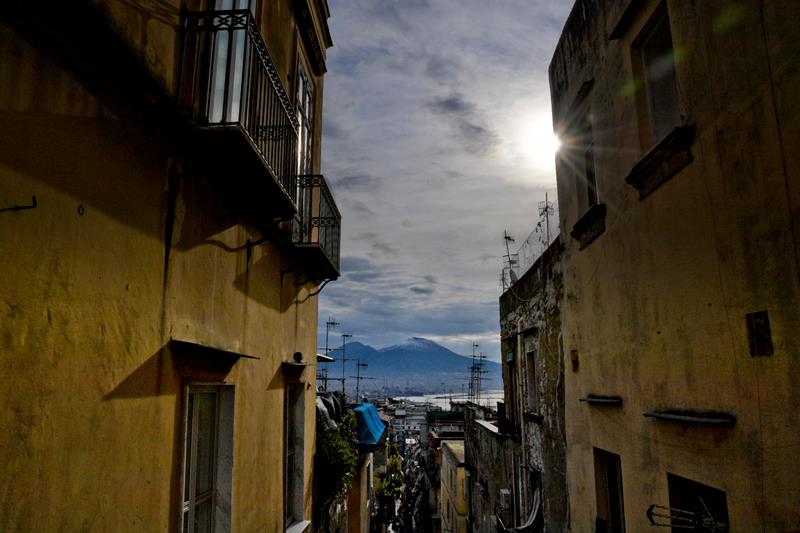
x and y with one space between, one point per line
437 137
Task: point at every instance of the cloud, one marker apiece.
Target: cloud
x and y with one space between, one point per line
422 290
454 104
357 182
385 248
359 207
424 103
466 122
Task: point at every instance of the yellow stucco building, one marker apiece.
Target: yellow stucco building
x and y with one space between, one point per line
452 497
164 231
679 194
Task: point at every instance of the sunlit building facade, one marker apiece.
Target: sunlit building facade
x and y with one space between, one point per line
165 231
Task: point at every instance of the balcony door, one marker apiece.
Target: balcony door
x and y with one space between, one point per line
228 90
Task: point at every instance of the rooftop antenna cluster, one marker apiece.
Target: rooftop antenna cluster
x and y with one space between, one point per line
358 377
344 358
476 372
532 247
547 209
510 263
322 371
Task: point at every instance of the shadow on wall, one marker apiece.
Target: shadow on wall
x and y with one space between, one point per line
175 363
94 160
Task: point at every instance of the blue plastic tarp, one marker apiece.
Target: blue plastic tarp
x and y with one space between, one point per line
369 426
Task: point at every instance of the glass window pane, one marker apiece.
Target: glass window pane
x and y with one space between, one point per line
659 62
202 518
207 410
187 467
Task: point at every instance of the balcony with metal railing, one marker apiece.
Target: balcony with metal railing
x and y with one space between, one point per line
231 90
317 231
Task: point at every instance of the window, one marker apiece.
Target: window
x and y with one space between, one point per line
228 68
759 336
654 58
533 388
207 459
708 504
581 152
591 174
608 487
305 118
294 474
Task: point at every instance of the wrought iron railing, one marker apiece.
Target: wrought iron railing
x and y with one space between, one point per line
320 220
228 79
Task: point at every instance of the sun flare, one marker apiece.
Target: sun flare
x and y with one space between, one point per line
541 144
535 142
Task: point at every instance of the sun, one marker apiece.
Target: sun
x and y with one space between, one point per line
538 143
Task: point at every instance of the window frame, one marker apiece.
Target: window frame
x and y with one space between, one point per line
606 463
651 133
531 359
294 446
305 110
222 465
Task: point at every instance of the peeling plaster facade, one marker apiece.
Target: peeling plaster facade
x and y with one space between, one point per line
533 378
675 246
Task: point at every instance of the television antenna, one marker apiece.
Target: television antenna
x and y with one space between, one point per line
546 210
510 261
358 377
345 336
322 374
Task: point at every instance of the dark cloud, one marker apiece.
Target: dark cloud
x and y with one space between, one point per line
357 182
471 131
477 140
357 206
355 263
422 290
385 248
443 70
431 279
452 104
349 61
331 130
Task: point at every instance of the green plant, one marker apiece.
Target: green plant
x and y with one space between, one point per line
335 461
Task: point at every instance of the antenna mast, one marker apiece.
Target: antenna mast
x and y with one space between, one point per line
546 210
345 336
322 374
510 261
358 377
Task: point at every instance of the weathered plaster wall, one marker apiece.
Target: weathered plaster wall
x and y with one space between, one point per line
94 286
530 321
453 504
358 497
655 307
487 454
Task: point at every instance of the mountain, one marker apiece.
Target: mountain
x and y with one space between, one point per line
418 364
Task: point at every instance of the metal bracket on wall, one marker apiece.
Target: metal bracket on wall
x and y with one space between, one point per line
32 205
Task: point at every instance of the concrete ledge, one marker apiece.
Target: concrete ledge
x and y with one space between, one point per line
665 160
